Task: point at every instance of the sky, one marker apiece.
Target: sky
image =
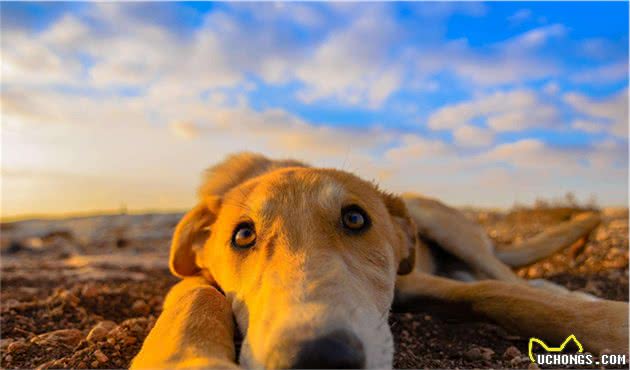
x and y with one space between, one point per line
122 105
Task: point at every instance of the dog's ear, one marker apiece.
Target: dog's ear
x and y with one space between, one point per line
407 233
190 235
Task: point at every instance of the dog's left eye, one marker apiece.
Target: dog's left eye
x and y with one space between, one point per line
354 218
244 236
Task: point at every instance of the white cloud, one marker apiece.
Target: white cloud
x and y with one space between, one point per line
551 88
514 110
471 136
352 64
613 110
536 37
520 16
608 73
588 126
415 148
185 129
510 61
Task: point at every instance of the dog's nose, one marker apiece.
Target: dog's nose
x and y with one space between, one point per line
340 349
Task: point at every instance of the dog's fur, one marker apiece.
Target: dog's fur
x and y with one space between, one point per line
306 276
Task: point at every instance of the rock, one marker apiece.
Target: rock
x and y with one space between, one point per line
4 343
517 361
16 346
67 337
100 330
486 353
140 307
89 291
68 297
100 356
11 302
511 352
130 340
479 353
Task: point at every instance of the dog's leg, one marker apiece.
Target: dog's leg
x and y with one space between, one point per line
549 241
528 311
457 234
194 331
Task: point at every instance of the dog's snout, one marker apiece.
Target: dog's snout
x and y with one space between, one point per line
340 349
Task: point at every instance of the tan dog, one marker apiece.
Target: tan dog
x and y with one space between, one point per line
309 260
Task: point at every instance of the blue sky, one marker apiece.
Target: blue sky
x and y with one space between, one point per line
476 103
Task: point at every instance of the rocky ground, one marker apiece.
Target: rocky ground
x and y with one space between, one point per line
84 293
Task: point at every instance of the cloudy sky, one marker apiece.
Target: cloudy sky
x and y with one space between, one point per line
105 105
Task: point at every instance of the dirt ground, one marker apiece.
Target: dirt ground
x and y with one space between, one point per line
83 293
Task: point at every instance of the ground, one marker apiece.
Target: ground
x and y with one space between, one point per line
84 292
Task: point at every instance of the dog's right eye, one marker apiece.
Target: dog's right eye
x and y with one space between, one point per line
244 236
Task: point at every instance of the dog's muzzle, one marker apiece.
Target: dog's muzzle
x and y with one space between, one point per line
340 349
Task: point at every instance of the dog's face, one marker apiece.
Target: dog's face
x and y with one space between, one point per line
308 258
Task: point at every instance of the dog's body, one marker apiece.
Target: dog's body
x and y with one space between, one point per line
310 261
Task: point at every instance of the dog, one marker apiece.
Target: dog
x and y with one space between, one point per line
308 261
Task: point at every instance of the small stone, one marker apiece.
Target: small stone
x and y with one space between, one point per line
427 318
517 360
511 352
16 346
100 330
69 337
89 291
8 358
130 340
473 353
100 356
486 353
140 307
94 364
479 353
69 297
533 366
11 302
4 343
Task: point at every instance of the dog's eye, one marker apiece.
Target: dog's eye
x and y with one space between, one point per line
244 236
354 218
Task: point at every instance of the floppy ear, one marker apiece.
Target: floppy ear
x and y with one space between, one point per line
190 235
406 230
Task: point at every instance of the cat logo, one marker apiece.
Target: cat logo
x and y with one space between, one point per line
553 349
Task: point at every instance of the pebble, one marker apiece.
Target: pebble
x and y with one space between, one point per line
130 340
140 307
89 291
511 352
16 346
100 356
69 297
94 364
100 330
479 353
533 366
69 337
